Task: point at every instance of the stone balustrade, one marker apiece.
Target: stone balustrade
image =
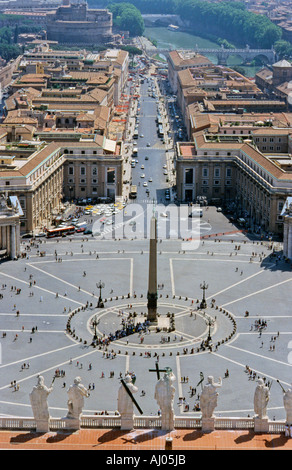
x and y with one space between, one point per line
142 422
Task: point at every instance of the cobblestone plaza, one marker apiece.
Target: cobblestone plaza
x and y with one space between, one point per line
246 323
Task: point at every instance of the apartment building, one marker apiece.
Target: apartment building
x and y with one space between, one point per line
276 81
233 169
41 174
106 70
182 60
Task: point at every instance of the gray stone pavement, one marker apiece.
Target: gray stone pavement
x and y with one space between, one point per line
241 275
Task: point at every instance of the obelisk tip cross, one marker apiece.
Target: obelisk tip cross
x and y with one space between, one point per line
157 370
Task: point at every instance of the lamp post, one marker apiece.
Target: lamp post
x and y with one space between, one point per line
204 287
100 285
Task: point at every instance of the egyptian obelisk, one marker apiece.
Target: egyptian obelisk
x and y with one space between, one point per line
152 275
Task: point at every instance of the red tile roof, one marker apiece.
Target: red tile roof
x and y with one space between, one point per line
146 439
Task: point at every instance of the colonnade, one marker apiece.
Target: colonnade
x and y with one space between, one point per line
287 236
10 236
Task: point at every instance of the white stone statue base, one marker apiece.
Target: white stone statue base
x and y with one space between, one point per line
42 425
208 424
167 422
127 422
72 423
261 424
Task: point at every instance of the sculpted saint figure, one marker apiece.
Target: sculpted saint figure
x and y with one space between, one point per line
76 394
125 404
287 399
261 399
164 395
38 399
208 399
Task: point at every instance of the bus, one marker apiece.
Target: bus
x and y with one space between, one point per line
197 212
60 231
160 131
133 192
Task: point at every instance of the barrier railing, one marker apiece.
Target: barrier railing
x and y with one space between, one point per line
140 422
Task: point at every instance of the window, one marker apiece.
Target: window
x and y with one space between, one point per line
71 170
217 172
205 172
111 176
22 203
82 171
228 172
189 176
94 171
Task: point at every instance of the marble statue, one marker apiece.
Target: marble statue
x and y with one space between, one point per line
261 399
164 395
38 399
76 394
287 399
208 399
126 404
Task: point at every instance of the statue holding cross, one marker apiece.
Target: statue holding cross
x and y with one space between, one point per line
126 402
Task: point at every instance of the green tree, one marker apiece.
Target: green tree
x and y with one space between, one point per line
127 17
283 49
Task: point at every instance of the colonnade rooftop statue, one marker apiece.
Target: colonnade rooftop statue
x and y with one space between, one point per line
164 395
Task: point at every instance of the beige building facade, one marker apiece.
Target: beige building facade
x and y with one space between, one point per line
236 172
9 228
42 178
